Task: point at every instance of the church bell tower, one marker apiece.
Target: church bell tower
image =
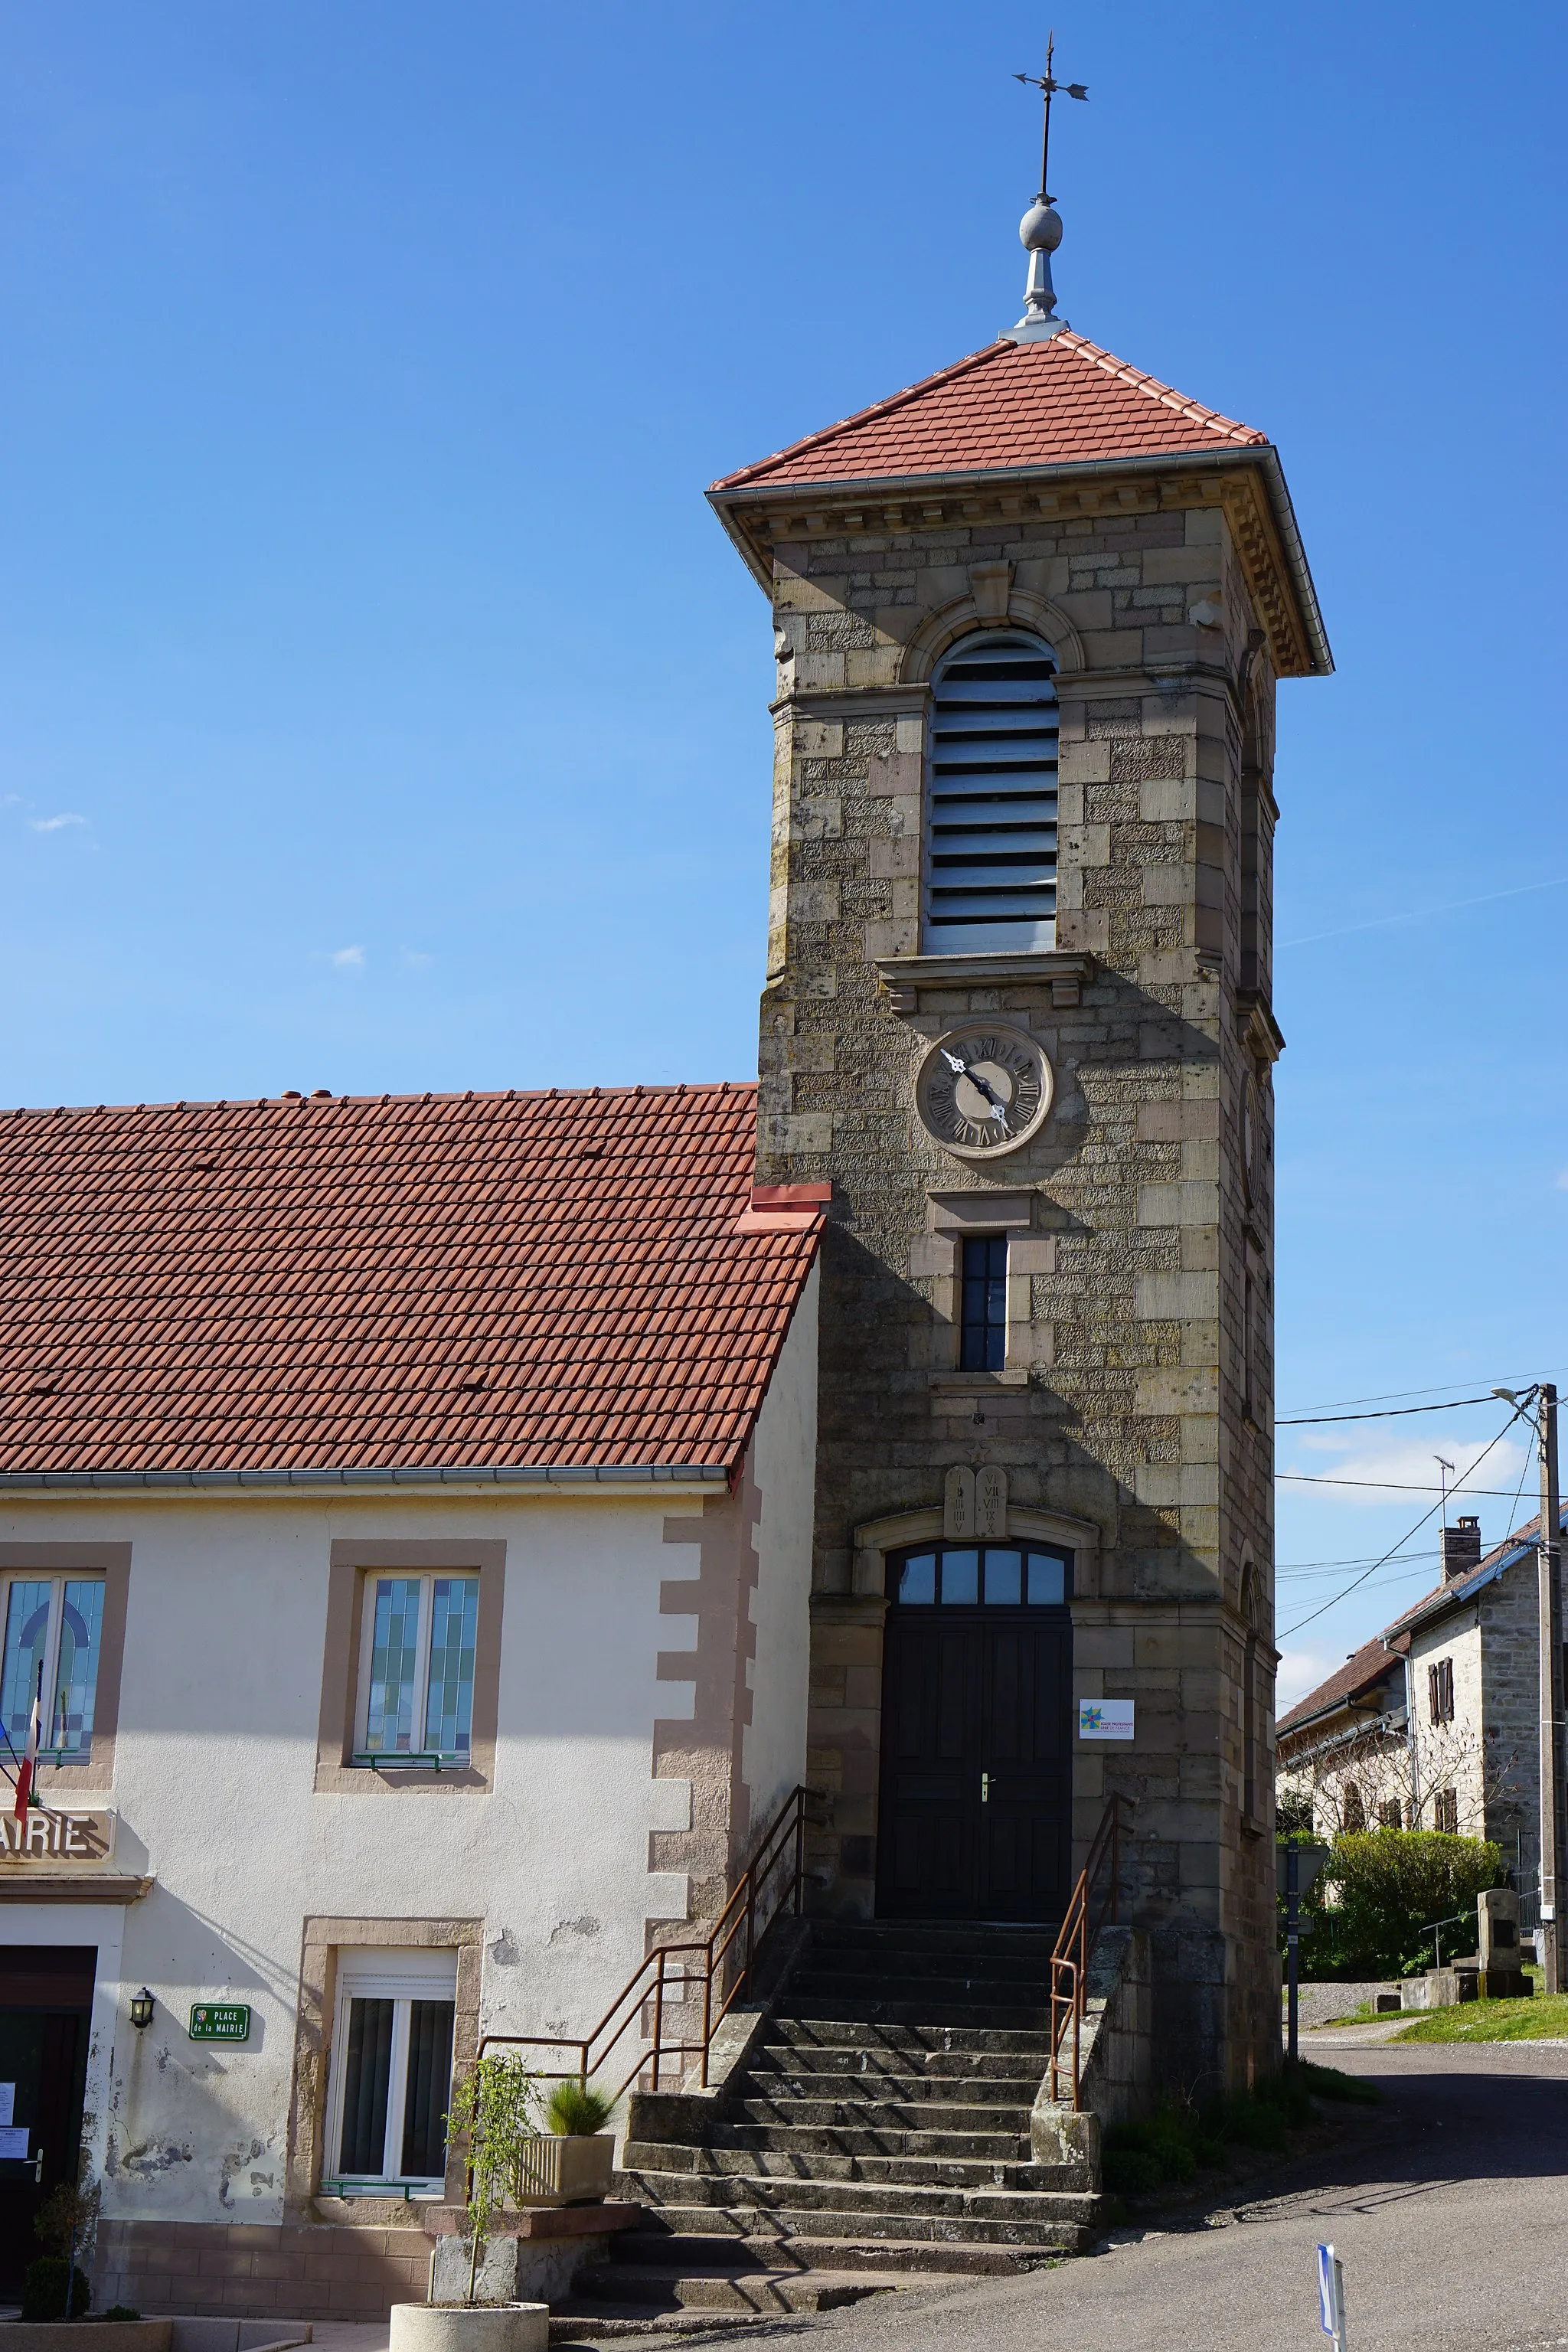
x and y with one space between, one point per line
1028 618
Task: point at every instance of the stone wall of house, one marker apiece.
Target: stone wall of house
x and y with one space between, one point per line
1135 1232
1490 1753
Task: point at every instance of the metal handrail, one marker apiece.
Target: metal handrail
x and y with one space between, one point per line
1069 1961
720 1962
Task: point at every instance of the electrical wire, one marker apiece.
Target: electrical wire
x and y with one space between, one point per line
1384 1486
1393 1396
1392 1412
1324 1607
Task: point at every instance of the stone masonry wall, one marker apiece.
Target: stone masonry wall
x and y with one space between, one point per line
1132 1231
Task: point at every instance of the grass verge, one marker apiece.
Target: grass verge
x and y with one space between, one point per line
1177 2141
1543 2018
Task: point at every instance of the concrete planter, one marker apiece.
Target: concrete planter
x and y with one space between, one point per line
561 2169
471 2327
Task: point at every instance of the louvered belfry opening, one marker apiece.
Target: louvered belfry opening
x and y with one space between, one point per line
991 797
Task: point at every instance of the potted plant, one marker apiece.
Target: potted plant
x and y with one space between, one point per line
581 2152
496 2107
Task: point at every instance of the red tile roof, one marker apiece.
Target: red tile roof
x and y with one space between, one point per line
497 1280
1063 402
1360 1675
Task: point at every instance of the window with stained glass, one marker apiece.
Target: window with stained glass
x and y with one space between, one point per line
417 1647
53 1632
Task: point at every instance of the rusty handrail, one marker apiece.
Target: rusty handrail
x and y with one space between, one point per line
720 1968
1069 1961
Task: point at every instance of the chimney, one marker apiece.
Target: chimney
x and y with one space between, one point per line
1461 1549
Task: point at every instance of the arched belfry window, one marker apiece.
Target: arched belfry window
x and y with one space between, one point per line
991 797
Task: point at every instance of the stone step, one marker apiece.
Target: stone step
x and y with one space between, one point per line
799 2032
917 1965
975 1988
601 2322
932 1935
706 2250
1011 2166
848 2007
932 2072
853 2138
844 2185
939 2118
1009 2226
726 2288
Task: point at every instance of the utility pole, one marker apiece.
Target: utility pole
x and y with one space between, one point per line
1551 1690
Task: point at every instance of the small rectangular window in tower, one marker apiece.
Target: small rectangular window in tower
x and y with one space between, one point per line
983 1320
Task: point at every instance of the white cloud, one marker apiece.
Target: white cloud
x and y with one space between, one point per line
349 958
54 823
1382 1466
416 956
1300 1672
1563 1179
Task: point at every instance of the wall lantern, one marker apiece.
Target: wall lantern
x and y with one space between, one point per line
141 2009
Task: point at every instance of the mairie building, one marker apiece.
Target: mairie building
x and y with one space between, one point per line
447 1532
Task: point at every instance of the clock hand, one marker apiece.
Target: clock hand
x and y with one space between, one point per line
961 1068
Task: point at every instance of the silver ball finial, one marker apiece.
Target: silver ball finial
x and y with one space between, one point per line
1040 230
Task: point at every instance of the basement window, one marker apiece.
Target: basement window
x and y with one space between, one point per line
991 797
391 2073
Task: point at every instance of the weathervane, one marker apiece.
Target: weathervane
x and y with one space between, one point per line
1040 230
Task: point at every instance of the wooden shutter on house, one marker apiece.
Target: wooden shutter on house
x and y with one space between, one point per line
991 797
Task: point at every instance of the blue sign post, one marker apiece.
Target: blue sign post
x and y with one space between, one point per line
1331 2295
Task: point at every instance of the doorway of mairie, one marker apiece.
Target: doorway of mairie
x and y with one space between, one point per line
46 2004
974 1809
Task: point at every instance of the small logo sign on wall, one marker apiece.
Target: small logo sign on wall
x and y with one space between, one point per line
220 2020
1105 1718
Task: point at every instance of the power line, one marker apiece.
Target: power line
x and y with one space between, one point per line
1393 1396
1387 1485
1390 1413
1325 1606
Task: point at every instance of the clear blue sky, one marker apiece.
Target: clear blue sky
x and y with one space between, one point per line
381 705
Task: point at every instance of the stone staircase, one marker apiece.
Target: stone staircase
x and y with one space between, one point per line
878 2132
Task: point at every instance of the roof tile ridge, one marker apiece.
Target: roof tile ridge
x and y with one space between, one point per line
863 415
1166 395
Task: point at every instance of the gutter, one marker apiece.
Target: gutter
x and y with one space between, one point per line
631 1476
729 504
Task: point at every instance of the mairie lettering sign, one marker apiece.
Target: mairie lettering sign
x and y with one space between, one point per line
52 1839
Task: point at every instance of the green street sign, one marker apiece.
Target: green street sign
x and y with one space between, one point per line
220 2020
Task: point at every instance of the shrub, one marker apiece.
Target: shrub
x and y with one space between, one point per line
577 2110
43 2290
1387 1886
120 2311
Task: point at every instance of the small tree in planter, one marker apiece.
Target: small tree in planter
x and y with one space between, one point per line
496 2105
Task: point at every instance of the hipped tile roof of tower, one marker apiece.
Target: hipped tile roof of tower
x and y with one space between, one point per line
1063 402
290 1283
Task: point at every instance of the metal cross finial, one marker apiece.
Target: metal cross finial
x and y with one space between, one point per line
1048 87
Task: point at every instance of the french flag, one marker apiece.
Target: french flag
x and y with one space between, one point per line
28 1763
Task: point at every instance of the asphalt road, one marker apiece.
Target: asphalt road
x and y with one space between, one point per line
1448 2209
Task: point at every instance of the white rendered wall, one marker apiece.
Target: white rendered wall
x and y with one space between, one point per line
220 1700
772 1748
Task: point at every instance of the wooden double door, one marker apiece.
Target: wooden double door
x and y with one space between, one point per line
974 1820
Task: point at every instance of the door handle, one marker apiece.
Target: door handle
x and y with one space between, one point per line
38 2166
986 1788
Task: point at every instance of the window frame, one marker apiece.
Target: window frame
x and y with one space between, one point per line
350 1561
939 1545
1440 1691
991 1333
417 1759
56 1577
402 1974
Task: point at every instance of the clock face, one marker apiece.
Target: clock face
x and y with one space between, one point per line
984 1089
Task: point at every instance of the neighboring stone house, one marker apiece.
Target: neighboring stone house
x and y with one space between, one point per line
1434 1724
